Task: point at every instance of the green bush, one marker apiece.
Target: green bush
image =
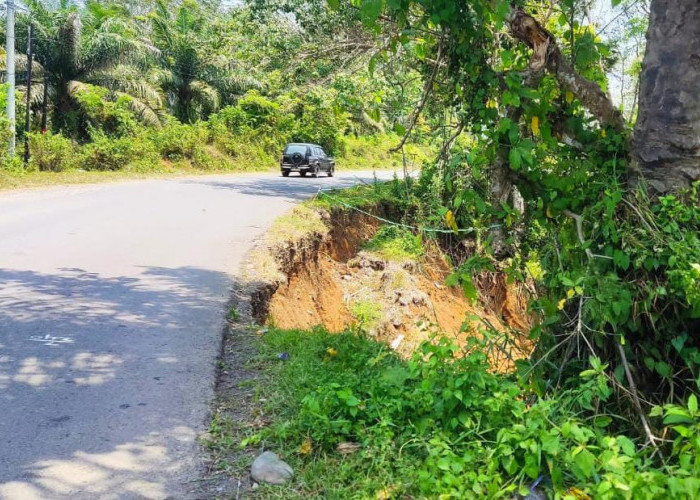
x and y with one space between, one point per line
52 152
396 243
177 141
446 426
97 111
108 153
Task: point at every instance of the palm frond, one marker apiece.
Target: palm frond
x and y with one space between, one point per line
70 36
205 96
144 112
75 87
37 95
130 81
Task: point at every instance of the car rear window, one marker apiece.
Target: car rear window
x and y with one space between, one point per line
295 149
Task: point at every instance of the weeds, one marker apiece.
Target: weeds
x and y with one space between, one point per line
367 313
396 243
445 425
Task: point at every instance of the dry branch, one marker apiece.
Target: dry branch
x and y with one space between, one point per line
548 55
426 93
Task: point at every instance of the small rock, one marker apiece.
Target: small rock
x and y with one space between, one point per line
268 468
397 342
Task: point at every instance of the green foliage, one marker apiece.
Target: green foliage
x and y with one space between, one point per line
194 81
396 243
52 152
440 425
176 142
75 47
366 312
109 153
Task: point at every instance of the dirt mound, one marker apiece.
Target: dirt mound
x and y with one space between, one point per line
322 278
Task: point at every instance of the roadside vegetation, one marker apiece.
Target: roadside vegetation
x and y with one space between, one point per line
163 87
357 420
530 171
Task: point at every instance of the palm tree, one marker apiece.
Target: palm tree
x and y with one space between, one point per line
75 47
195 81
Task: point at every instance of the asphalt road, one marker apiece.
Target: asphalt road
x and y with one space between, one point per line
112 305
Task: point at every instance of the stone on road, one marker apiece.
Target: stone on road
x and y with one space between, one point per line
112 303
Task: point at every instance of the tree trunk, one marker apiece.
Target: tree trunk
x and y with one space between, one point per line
666 143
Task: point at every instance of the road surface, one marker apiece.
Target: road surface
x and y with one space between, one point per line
112 303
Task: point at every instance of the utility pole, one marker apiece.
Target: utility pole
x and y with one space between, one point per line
44 104
30 62
10 65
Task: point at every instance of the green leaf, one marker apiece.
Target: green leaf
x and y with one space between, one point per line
626 445
585 461
334 4
370 10
678 342
663 368
621 259
550 444
515 159
470 291
693 404
443 464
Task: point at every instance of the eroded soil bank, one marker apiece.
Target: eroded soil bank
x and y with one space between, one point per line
315 271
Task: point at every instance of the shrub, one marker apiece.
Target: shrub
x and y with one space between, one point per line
445 425
106 153
396 243
97 111
52 152
177 141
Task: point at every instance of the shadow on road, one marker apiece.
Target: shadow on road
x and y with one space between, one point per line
292 188
87 364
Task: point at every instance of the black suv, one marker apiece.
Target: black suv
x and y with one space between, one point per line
306 158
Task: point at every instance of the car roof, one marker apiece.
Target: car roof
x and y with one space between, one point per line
303 144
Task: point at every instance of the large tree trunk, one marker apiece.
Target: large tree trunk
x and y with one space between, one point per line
666 143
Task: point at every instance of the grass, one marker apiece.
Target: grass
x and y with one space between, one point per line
362 196
315 357
296 224
361 154
436 426
18 179
397 244
366 312
374 152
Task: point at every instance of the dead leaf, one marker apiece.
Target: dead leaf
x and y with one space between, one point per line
347 448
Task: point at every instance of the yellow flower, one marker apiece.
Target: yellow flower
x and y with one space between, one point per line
536 125
603 133
305 448
569 97
570 293
491 103
331 351
561 304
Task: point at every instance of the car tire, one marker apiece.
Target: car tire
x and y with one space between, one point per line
331 171
303 173
315 172
285 173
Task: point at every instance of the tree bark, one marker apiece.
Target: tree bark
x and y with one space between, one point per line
666 142
548 55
